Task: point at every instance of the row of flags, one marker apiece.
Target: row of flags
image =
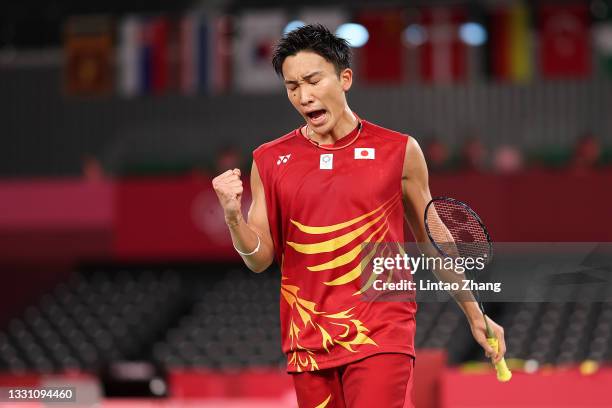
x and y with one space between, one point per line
208 53
552 41
157 55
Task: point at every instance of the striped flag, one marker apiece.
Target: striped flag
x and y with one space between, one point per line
205 53
129 56
144 59
192 55
443 56
510 48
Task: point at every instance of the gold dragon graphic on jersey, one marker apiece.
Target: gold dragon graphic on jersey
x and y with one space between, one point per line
364 246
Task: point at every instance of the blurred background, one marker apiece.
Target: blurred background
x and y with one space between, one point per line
118 275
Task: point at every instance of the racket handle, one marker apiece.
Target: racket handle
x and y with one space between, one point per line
503 373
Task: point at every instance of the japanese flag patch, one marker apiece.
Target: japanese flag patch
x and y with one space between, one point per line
364 153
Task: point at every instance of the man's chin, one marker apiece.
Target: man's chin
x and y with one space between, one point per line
322 128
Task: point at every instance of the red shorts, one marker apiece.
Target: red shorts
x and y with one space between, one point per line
382 381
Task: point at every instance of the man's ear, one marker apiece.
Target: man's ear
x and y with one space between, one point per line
346 79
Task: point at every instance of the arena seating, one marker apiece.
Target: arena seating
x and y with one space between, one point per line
94 318
224 317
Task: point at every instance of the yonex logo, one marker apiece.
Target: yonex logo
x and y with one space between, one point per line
283 159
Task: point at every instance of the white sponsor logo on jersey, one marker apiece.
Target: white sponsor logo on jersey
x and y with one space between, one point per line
283 159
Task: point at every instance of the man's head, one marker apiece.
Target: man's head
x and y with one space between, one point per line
315 65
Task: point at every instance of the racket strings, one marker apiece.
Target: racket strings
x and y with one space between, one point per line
456 230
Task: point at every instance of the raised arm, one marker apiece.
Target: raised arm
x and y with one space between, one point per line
252 238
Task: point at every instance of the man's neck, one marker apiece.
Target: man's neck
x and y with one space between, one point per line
345 125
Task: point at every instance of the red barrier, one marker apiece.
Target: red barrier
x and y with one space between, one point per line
166 219
55 204
560 389
201 384
179 218
46 226
536 206
55 220
19 380
57 223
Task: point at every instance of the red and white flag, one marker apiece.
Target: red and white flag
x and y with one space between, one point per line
443 55
364 153
382 57
565 42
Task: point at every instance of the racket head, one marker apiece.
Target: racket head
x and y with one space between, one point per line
445 215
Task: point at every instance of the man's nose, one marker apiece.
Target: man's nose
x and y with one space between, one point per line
305 97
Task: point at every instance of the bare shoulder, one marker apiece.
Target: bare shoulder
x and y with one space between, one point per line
256 182
414 160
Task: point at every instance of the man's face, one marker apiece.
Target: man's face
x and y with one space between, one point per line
315 89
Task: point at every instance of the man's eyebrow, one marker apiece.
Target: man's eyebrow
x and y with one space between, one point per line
305 77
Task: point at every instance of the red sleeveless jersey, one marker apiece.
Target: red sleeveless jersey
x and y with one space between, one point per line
322 206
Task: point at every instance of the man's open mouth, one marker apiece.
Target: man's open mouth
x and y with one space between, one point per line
316 115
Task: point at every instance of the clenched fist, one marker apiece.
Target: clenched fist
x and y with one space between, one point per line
228 187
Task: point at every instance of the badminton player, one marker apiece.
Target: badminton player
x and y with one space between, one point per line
319 192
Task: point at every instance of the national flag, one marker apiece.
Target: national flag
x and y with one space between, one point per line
565 43
258 31
154 55
88 51
194 59
510 46
443 55
222 53
205 53
364 153
129 70
159 32
381 58
145 59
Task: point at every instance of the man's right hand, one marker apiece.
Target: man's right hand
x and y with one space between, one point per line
228 187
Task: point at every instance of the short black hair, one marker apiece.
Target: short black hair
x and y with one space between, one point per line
316 38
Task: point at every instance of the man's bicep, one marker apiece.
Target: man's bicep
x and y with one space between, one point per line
258 215
415 189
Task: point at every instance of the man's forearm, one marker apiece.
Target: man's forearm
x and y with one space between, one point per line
246 240
470 309
464 297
